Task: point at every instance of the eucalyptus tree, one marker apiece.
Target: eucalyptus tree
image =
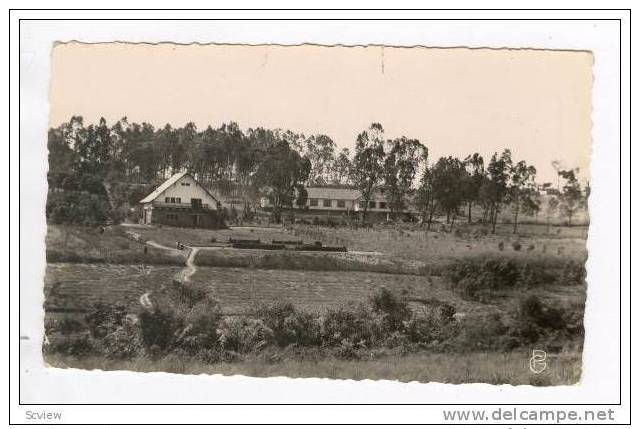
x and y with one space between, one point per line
368 167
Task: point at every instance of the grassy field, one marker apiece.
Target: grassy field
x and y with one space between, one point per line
168 236
111 267
490 367
74 287
70 287
113 244
417 244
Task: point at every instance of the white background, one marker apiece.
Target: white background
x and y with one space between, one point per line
603 319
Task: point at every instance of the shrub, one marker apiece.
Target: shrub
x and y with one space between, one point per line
516 246
472 276
573 272
289 325
158 326
346 350
394 310
547 325
434 325
354 324
242 334
103 319
77 344
532 310
486 332
65 325
124 342
201 328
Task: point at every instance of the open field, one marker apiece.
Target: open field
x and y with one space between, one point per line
418 244
76 287
111 245
490 367
168 236
408 262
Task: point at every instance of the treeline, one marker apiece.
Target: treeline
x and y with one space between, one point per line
85 161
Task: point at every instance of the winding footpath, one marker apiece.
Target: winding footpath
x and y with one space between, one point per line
183 276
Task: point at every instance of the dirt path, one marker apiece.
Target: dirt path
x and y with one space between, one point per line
183 276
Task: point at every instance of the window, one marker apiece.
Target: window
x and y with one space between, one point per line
372 204
341 203
172 199
313 202
382 205
326 203
186 184
167 199
177 199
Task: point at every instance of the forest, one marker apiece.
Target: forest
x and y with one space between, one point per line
89 162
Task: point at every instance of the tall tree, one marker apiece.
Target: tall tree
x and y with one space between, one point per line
572 198
341 168
521 192
282 171
425 199
497 185
320 151
368 168
400 168
474 165
552 208
448 181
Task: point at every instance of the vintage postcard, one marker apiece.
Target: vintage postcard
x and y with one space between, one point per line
368 212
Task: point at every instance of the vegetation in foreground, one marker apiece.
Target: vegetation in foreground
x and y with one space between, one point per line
186 324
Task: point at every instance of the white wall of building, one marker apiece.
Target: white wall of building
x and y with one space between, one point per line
187 188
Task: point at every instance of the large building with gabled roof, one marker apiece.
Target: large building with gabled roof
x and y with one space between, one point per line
182 201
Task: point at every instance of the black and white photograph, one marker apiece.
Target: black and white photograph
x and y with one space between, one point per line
413 214
298 208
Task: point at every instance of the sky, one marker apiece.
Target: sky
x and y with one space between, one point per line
456 101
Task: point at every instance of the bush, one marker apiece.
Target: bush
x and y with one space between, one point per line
487 332
573 272
201 328
242 334
547 325
516 246
79 207
355 324
532 310
124 342
64 325
103 319
473 276
435 325
290 326
158 327
394 310
77 344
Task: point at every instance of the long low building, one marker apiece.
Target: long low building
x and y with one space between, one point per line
182 201
341 200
